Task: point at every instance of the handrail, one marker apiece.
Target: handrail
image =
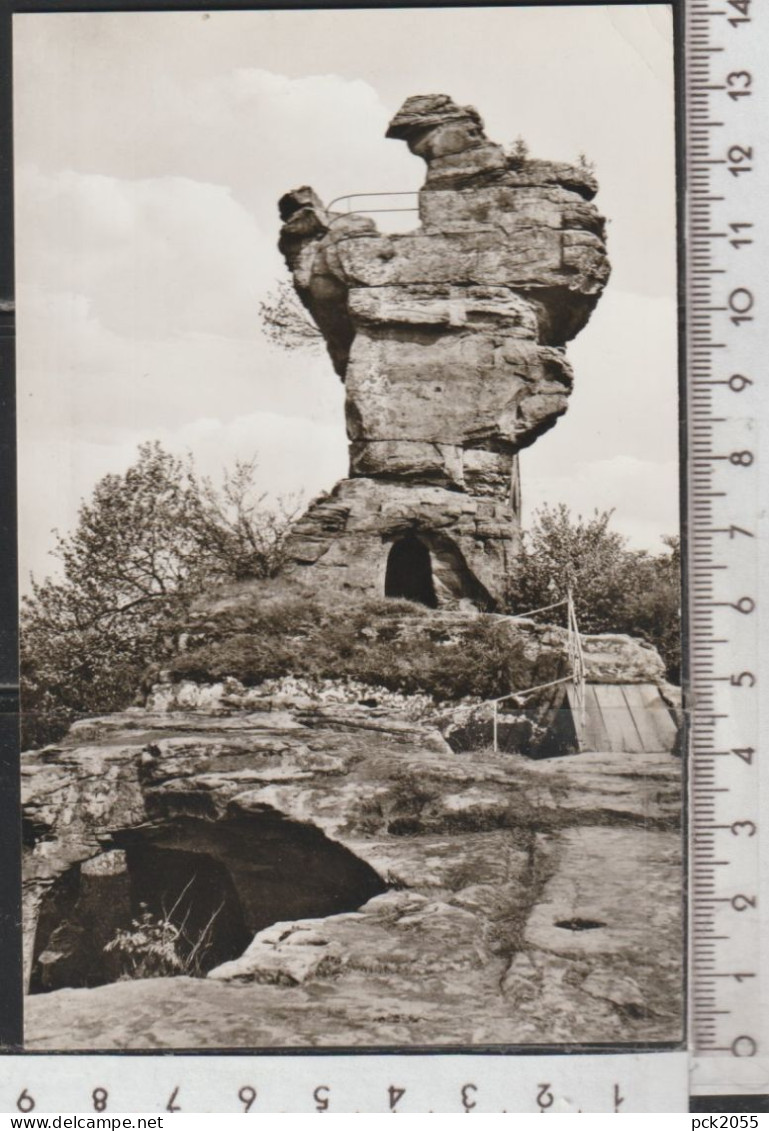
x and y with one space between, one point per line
355 195
530 690
359 211
395 192
533 612
576 658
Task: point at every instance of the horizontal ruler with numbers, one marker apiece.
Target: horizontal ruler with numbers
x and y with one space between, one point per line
727 306
420 1083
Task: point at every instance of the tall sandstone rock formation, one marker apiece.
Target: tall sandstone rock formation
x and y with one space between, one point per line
450 340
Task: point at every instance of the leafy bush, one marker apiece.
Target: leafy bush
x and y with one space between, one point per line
151 541
614 589
145 546
285 322
266 636
652 607
154 946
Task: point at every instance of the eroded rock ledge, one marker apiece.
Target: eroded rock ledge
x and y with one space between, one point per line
413 895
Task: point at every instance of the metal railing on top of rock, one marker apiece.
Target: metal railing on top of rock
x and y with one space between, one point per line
358 195
576 662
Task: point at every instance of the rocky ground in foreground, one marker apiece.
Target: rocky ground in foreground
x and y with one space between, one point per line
476 898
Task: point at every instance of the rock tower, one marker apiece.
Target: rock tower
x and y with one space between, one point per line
450 340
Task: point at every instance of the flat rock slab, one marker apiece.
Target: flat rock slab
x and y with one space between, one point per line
603 947
527 902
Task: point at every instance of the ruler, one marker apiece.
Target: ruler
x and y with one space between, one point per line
380 1084
726 54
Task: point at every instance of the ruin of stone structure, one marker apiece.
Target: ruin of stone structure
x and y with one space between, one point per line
450 340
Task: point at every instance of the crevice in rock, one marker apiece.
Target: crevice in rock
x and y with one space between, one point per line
34 831
543 860
577 924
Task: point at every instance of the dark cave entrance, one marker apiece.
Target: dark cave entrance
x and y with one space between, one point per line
214 885
410 573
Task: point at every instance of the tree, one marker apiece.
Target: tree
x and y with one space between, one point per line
519 152
144 547
286 322
238 534
653 604
614 589
559 554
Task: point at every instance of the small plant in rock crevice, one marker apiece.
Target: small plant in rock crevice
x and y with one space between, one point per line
149 948
518 153
156 947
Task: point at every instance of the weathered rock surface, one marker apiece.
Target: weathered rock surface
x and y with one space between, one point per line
347 537
397 892
616 658
450 340
434 655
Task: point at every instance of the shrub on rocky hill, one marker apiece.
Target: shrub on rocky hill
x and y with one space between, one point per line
151 541
146 544
615 589
273 629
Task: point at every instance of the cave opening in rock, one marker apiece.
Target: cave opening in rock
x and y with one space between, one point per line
217 883
409 572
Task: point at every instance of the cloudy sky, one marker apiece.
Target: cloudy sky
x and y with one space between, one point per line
151 149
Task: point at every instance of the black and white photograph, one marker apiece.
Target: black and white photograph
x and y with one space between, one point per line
349 532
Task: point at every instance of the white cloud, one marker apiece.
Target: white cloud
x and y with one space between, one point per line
617 446
295 456
643 495
254 131
625 398
155 257
145 95
83 380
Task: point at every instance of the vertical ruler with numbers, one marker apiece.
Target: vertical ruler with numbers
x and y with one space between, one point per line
727 196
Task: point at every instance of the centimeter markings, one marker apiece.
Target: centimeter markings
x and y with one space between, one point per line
722 221
346 1083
